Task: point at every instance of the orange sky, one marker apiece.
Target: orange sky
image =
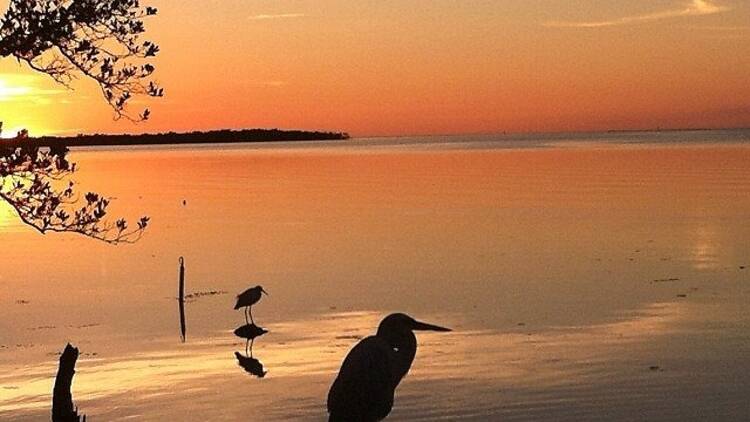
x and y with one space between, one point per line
397 67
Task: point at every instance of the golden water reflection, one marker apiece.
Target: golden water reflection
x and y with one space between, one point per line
536 257
705 252
314 349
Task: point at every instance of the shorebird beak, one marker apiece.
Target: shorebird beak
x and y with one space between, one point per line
263 291
423 326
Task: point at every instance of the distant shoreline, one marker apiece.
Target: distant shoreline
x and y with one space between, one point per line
700 129
174 138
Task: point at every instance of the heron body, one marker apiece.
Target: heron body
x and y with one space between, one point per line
365 387
248 298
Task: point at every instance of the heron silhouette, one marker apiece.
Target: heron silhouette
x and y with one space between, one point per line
247 299
364 389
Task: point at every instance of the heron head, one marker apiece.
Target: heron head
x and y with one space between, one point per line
398 323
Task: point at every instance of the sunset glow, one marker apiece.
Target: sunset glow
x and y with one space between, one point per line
391 67
9 92
359 210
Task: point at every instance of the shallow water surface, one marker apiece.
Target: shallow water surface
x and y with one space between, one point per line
584 278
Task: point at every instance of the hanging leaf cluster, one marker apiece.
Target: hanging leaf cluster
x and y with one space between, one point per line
34 182
99 39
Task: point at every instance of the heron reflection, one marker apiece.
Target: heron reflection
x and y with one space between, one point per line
364 389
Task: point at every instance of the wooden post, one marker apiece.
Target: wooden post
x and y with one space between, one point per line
182 299
62 399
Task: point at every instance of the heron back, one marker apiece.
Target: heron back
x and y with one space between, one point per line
363 390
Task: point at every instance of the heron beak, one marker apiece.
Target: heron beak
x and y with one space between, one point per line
423 326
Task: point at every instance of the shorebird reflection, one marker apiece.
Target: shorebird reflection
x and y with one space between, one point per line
251 365
249 332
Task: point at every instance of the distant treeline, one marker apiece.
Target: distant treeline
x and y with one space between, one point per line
209 137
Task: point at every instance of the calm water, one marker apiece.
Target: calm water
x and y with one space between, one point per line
587 277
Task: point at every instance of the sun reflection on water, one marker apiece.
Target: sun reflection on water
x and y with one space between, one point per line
542 358
704 253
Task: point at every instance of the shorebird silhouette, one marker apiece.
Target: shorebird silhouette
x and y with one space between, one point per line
247 299
365 386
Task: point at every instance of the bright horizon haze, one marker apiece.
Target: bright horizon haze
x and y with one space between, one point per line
422 67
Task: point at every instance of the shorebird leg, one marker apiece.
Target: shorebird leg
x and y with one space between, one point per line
251 314
247 343
246 321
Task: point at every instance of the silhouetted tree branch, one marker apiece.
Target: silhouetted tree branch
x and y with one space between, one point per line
33 182
99 39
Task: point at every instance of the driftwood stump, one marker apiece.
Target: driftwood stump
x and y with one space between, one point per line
63 409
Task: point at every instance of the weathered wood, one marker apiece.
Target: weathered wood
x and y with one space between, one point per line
63 409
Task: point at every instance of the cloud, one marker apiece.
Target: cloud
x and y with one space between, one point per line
277 16
693 8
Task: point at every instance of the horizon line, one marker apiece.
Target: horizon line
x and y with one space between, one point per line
406 135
